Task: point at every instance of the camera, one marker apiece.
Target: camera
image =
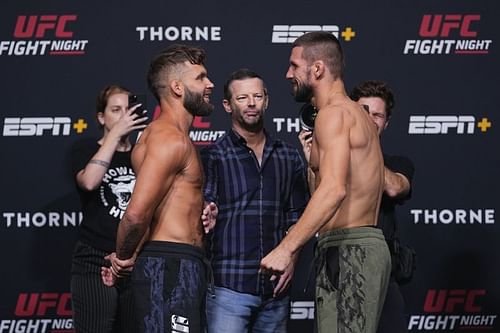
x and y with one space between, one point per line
137 99
307 115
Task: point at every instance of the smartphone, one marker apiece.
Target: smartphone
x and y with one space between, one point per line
137 99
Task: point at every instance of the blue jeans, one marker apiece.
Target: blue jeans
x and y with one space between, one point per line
231 311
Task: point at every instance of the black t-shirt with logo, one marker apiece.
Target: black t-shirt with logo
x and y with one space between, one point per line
103 208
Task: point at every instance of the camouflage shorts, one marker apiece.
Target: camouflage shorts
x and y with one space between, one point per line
353 270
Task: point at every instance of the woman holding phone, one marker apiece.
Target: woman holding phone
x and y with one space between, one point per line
104 178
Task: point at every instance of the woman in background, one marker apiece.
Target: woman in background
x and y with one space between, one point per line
105 180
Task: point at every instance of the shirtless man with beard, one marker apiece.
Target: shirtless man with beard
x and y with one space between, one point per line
353 262
169 275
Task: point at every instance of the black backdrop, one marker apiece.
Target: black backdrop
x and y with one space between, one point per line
437 55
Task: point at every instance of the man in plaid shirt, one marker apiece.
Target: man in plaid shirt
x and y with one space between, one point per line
259 186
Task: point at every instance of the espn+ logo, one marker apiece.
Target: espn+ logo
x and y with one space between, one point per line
447 124
289 33
38 126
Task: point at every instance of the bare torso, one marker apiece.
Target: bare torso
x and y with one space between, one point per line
365 174
176 216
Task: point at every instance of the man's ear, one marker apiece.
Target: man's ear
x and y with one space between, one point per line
227 106
177 87
386 124
100 118
318 69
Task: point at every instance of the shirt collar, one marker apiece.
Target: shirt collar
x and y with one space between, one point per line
237 139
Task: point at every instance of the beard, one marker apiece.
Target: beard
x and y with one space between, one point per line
303 93
196 105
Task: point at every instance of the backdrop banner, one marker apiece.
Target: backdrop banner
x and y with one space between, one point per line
438 56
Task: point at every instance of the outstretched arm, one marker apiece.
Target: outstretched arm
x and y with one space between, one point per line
333 147
396 185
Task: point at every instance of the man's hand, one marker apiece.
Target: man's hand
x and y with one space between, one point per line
396 185
209 216
279 262
305 138
119 267
284 279
128 123
107 276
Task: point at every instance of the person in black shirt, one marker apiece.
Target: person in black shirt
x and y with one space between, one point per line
105 180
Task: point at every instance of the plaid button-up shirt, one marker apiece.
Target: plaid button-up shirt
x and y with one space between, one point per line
257 205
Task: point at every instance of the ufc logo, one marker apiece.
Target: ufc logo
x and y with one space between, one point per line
448 301
37 304
199 123
38 26
442 25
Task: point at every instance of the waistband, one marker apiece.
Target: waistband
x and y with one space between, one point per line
181 250
165 247
349 236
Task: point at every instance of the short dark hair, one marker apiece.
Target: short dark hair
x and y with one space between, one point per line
320 45
168 59
241 74
103 97
373 88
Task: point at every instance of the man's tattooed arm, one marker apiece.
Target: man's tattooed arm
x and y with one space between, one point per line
126 246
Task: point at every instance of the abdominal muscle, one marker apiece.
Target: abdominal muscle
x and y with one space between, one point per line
177 218
352 214
364 191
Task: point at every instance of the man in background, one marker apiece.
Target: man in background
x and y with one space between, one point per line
259 186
